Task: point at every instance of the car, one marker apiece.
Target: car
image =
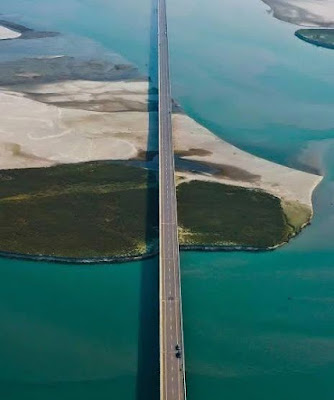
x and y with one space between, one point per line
178 354
177 347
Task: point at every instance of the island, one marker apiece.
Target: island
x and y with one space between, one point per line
318 37
79 166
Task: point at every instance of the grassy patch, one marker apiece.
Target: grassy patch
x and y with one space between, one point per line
215 214
298 215
102 209
80 210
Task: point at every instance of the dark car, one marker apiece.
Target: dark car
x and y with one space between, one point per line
177 347
178 354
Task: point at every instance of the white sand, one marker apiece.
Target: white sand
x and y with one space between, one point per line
286 183
6 33
43 135
87 91
35 134
311 13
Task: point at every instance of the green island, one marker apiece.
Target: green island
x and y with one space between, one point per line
212 214
110 210
318 37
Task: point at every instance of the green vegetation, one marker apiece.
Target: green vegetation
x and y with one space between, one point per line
79 210
221 215
318 37
103 209
298 215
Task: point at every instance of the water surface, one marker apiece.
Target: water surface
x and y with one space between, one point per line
256 325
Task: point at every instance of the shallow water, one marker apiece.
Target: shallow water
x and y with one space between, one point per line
256 325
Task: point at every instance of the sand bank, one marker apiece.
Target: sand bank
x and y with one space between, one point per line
6 33
237 167
23 32
313 13
48 124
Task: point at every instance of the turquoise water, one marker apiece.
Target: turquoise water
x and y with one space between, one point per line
69 332
257 326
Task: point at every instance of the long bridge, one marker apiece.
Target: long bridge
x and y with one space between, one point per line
172 366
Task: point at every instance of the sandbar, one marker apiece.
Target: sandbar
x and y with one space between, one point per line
80 121
311 13
6 33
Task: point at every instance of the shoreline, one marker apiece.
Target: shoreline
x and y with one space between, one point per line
76 260
139 257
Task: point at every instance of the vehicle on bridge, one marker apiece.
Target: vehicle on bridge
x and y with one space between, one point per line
178 353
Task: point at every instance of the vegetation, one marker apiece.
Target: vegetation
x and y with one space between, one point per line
103 209
318 37
221 215
298 215
79 210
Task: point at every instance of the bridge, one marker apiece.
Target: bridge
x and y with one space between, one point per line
172 366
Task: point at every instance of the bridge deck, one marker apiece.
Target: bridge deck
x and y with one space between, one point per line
172 378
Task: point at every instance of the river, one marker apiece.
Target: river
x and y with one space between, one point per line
257 326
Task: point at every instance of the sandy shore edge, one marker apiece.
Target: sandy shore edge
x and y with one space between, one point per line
6 33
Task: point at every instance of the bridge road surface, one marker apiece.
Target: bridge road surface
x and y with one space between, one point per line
172 375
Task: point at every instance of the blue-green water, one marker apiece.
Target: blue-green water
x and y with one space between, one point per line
257 326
